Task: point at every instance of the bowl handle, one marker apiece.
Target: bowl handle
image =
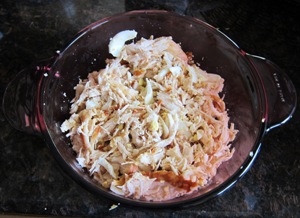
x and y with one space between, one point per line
21 99
280 92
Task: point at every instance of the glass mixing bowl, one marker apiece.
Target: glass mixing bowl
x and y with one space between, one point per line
258 95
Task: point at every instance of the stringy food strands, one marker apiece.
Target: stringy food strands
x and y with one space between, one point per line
151 125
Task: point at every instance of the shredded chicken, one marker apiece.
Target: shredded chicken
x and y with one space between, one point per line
151 125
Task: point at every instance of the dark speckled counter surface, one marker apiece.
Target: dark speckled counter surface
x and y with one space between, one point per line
32 182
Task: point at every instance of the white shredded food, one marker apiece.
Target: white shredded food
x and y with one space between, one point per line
151 125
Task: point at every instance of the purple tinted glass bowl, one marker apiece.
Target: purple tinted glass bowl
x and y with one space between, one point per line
258 95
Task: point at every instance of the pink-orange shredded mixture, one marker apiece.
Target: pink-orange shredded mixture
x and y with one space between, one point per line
151 125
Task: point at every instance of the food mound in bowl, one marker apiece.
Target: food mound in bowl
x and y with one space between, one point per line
151 125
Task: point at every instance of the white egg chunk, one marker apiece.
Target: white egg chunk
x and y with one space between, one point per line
118 41
149 94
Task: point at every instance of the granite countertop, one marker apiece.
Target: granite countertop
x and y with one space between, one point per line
32 182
